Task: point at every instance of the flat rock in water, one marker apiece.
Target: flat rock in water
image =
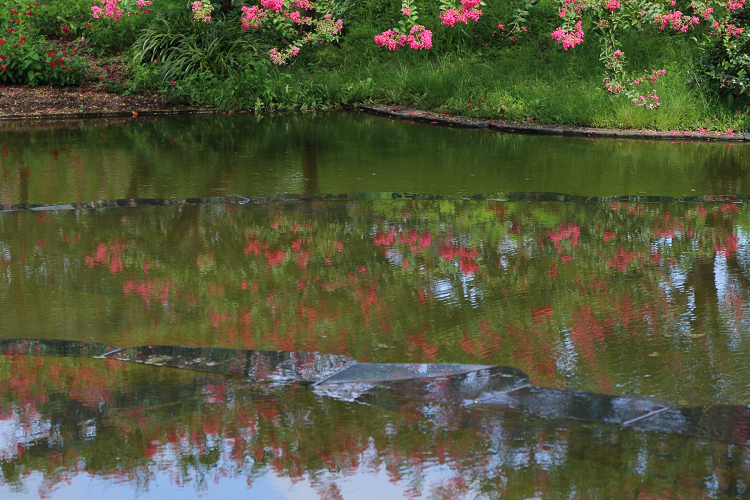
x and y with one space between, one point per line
276 366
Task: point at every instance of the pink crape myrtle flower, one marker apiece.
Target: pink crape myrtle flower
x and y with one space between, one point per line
568 40
280 57
467 12
110 10
677 21
296 17
252 17
734 5
272 5
338 26
613 5
202 11
418 38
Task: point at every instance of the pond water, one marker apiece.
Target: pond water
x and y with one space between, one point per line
611 266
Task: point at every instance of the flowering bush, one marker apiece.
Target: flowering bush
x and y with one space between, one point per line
27 58
299 22
609 19
725 64
409 33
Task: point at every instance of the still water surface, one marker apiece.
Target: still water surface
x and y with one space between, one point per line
631 279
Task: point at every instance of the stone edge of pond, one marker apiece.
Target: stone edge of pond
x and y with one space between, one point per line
407 113
107 114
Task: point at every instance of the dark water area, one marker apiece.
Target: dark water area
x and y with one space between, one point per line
631 280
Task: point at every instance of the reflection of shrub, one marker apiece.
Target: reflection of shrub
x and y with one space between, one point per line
183 47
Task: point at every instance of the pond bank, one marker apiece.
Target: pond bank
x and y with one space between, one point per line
60 109
407 113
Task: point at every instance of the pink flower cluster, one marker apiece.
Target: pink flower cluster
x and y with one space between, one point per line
613 5
467 12
296 17
651 101
279 57
568 40
735 5
419 38
704 13
303 4
728 29
612 86
339 25
202 11
655 74
272 5
677 21
252 17
111 10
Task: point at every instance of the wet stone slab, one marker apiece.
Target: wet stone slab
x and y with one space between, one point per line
276 366
53 347
576 405
729 423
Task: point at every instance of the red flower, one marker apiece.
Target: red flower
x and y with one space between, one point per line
23 38
2 41
2 67
61 61
75 51
53 63
67 69
66 30
2 58
101 78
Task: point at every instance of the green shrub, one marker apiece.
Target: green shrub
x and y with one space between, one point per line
182 47
32 61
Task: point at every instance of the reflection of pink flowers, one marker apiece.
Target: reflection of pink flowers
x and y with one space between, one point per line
467 257
274 258
727 247
570 232
621 259
107 255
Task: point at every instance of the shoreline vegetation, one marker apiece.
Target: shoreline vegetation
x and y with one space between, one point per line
416 116
162 59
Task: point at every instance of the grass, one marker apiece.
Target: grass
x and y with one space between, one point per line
474 72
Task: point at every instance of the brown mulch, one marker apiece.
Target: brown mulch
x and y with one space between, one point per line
94 95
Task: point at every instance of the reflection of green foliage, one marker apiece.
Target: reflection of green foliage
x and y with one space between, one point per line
136 424
507 283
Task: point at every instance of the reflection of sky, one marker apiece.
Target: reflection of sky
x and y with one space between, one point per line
363 482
